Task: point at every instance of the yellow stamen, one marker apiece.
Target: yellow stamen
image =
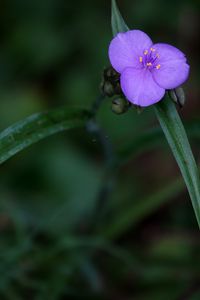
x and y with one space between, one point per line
158 67
149 64
152 49
140 58
145 52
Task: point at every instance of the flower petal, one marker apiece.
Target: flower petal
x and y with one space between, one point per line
126 48
173 69
140 88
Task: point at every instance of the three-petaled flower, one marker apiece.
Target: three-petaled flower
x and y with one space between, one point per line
146 69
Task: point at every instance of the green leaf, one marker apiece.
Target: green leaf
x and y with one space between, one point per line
39 126
175 134
117 22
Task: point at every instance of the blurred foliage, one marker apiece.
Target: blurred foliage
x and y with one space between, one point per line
73 225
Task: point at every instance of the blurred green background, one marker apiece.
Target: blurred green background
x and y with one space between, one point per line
71 225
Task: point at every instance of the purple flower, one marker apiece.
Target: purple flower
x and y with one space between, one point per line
146 69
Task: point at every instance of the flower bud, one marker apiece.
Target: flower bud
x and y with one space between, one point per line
110 73
110 84
108 89
178 96
118 89
120 106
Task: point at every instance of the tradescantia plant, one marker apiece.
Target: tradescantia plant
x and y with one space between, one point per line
141 73
147 70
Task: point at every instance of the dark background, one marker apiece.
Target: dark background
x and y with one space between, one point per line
71 226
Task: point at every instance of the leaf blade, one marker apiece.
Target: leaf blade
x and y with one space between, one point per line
175 134
117 21
39 126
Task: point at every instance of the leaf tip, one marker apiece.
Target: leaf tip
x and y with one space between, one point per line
117 21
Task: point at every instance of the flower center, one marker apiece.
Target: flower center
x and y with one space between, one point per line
149 59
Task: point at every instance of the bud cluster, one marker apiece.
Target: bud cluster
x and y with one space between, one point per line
110 87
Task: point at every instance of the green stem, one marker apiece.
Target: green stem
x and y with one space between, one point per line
175 134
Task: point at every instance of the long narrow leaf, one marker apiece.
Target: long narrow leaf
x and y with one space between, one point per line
37 127
175 134
118 24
